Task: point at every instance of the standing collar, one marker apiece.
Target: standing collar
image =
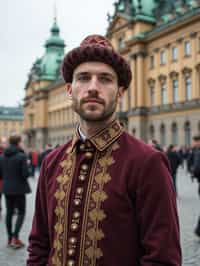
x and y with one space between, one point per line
103 138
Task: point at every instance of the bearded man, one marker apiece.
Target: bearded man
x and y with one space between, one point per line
105 198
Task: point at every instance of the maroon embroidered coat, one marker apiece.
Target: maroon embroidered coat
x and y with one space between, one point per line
106 202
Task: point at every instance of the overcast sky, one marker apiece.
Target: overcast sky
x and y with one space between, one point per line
25 26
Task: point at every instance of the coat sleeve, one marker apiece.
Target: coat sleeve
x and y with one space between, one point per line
39 247
157 214
25 170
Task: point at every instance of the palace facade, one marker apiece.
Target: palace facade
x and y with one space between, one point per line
161 40
11 121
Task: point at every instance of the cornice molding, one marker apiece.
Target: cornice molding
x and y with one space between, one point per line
186 71
173 74
162 78
151 81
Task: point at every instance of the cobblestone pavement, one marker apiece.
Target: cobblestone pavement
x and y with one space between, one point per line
188 208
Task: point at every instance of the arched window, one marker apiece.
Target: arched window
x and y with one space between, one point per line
151 132
174 134
133 131
162 135
188 88
199 128
175 90
188 135
163 93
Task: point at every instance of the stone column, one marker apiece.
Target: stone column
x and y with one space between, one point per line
197 81
140 79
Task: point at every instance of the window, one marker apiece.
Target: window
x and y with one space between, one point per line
188 134
187 48
152 96
174 134
162 135
31 120
188 89
121 44
198 127
163 94
175 90
174 53
162 58
152 61
133 131
151 132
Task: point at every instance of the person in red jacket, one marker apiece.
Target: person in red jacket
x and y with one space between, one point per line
105 198
33 157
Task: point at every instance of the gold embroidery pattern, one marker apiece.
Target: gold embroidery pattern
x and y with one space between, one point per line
107 136
62 196
93 213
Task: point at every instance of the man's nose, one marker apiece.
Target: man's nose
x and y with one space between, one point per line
93 85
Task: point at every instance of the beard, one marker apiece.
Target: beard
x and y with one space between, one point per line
92 115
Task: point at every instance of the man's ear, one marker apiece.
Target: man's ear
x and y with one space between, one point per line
69 89
120 92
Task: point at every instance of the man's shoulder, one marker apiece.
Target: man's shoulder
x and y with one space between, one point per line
136 146
57 152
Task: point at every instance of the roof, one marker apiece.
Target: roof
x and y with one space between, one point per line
11 113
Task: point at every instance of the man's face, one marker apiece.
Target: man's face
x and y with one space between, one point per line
196 143
94 91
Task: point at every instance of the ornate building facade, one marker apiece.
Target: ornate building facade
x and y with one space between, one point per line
11 121
161 40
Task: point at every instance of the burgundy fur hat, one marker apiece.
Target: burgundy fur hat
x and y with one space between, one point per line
96 48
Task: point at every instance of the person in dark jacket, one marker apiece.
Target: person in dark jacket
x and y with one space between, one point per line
3 144
43 154
14 171
154 143
175 161
194 167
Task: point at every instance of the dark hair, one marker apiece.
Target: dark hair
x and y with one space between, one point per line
15 139
154 141
170 147
196 138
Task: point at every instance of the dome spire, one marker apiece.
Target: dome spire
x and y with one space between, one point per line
55 12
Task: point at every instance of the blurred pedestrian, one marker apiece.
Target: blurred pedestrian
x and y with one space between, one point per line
3 143
175 161
42 155
154 143
14 171
194 162
33 159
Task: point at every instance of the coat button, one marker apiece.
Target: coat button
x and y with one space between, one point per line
73 240
71 252
79 190
77 202
82 147
82 177
74 227
76 215
88 155
84 167
71 263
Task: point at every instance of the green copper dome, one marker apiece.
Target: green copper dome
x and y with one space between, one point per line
55 38
144 9
153 11
137 9
48 66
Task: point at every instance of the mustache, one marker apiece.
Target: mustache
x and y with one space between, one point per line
92 98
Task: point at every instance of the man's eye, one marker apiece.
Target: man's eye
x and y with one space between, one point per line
83 78
105 79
